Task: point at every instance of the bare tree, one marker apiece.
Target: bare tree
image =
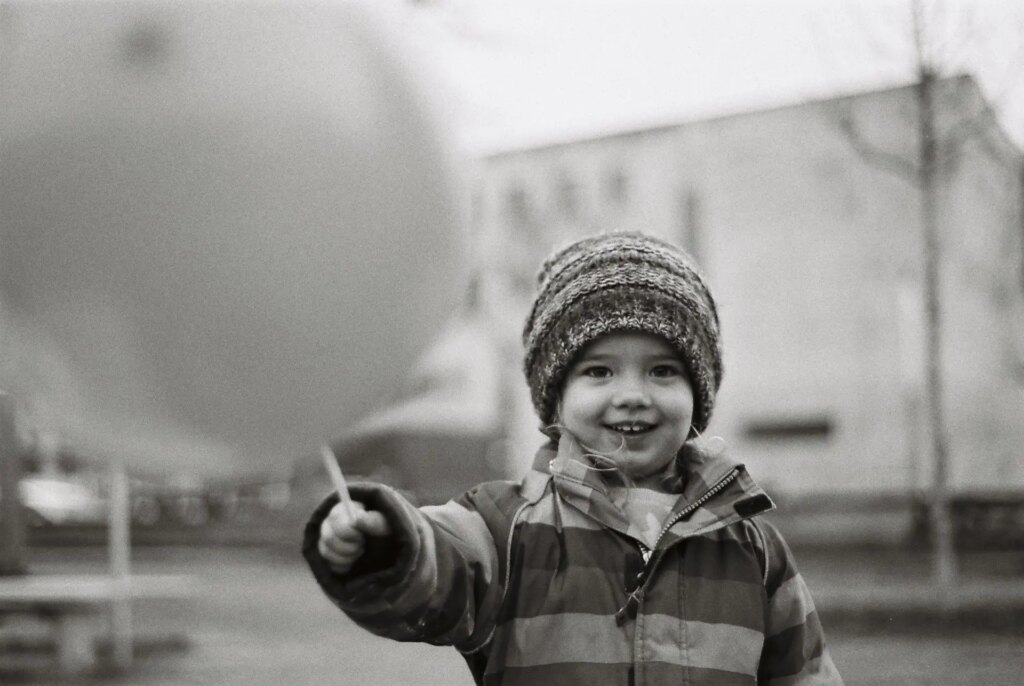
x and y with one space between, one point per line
938 41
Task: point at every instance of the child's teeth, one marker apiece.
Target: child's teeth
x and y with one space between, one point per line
630 428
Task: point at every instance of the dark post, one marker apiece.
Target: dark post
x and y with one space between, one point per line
12 532
939 515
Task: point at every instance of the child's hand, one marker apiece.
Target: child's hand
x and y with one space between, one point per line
343 538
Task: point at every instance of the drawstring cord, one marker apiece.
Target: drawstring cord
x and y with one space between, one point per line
560 534
629 610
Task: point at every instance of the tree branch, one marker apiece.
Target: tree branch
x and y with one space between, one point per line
952 141
890 161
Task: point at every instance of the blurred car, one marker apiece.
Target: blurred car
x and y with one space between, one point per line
160 503
192 504
54 501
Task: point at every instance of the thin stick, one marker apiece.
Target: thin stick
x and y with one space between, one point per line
337 478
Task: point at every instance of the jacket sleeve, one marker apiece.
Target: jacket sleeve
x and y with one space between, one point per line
436 579
794 652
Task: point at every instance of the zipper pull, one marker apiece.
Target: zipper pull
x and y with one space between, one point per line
645 553
629 610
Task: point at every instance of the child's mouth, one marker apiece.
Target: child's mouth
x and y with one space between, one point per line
633 428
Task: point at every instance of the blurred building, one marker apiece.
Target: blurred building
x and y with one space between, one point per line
813 242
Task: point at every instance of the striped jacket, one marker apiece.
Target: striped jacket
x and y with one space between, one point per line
542 582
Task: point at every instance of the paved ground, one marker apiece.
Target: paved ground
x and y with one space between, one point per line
257 619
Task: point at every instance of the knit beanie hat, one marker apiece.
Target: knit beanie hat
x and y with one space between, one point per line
621 282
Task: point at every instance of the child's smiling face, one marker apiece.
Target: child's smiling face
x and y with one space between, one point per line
628 396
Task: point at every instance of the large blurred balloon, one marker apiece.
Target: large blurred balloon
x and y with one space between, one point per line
228 228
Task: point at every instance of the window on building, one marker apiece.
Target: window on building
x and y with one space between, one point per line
617 187
691 223
789 428
568 198
517 207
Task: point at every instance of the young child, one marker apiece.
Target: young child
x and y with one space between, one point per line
631 553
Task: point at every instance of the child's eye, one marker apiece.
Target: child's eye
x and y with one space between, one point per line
666 371
596 372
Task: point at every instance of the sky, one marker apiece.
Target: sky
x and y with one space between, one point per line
512 73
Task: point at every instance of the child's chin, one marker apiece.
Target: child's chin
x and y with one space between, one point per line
610 443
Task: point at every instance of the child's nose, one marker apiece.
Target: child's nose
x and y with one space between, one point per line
631 394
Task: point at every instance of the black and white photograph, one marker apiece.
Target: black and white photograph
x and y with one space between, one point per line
512 342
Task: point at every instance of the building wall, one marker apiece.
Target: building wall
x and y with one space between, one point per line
815 256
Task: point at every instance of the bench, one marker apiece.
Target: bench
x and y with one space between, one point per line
71 605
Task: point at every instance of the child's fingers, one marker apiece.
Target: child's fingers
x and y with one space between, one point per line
338 550
341 513
342 521
372 523
346 541
342 529
343 536
341 562
340 544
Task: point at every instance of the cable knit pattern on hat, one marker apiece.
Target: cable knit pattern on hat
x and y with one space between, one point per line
621 282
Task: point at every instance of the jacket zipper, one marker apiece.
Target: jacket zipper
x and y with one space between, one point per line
708 495
651 557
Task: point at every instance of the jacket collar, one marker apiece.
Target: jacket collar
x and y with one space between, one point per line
717 492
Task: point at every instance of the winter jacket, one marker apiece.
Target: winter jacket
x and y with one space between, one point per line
542 582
